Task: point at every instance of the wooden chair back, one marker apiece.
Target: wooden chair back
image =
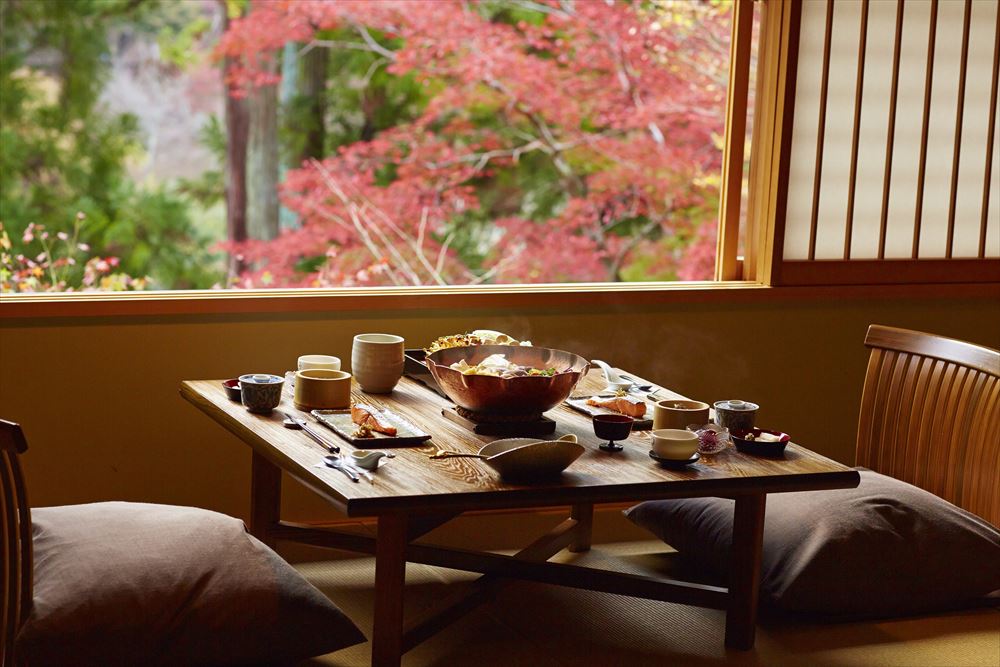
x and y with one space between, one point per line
930 416
15 554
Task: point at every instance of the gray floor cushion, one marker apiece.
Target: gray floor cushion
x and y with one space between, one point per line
131 583
885 548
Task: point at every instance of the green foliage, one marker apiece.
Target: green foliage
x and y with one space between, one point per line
60 153
177 44
208 189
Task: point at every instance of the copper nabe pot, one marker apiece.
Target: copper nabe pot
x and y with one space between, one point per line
487 394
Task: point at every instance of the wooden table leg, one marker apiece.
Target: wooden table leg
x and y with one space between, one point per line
390 577
584 515
744 576
265 498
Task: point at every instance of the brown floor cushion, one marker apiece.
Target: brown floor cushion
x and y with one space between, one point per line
131 583
885 548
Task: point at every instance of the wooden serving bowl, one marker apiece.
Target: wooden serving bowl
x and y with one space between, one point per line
486 394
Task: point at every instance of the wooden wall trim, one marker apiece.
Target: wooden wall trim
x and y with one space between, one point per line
21 310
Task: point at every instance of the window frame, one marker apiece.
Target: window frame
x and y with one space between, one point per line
753 278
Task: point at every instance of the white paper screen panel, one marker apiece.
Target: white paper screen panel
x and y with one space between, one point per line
892 216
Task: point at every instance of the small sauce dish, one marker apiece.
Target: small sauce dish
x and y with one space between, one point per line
366 459
232 388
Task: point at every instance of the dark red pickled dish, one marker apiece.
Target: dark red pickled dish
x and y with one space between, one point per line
749 442
232 388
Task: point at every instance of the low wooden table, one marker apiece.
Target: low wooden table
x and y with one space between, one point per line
413 495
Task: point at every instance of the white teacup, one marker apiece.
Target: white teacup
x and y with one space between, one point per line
674 443
318 361
377 361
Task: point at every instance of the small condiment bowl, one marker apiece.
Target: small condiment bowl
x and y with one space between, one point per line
747 441
232 388
366 459
712 437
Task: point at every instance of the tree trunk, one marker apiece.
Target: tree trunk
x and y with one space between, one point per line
237 130
314 71
262 163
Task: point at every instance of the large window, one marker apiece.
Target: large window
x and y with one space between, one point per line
200 145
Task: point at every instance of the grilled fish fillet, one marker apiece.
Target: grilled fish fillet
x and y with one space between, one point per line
366 415
633 407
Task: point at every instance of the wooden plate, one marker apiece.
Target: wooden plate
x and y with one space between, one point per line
339 421
643 423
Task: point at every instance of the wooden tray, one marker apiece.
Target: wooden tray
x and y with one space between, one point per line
339 421
644 423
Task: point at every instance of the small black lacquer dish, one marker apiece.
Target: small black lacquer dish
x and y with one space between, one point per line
611 428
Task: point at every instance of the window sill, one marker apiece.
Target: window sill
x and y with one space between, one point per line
558 296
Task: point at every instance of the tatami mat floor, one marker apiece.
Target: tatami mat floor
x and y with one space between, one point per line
534 625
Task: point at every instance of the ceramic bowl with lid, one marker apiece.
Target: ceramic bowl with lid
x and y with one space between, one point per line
261 392
735 414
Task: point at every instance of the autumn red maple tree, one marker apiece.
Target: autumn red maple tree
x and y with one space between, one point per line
625 100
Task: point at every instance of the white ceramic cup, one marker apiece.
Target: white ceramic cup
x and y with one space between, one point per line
377 361
674 443
318 361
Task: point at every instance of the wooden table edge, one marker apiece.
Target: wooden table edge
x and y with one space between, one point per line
568 496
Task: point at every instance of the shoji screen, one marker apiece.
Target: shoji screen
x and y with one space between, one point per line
894 143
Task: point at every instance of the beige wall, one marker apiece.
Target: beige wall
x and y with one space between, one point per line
99 398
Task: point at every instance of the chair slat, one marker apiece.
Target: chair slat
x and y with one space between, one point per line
16 568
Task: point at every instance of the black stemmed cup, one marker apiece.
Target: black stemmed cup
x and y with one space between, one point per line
611 428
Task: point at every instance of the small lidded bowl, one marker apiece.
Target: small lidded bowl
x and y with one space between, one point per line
261 392
735 414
